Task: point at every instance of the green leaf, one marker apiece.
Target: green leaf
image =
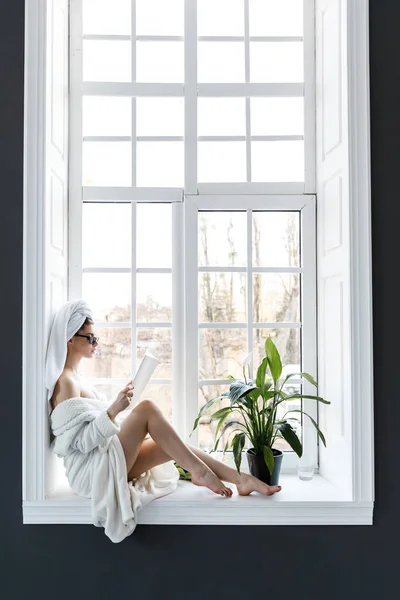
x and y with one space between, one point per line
290 436
237 445
269 458
204 408
226 447
238 389
274 360
305 375
220 413
320 434
222 419
262 369
225 427
298 396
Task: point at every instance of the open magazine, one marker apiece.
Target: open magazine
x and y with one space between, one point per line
139 382
143 374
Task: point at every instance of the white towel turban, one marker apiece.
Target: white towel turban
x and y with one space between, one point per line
67 321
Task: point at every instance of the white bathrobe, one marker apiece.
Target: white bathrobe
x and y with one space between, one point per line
95 466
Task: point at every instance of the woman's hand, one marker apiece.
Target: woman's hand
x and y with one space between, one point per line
122 401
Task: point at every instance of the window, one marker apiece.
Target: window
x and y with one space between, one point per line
191 143
255 274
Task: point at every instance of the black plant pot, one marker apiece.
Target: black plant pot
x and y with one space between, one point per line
259 469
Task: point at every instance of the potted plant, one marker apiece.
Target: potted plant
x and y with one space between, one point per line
259 404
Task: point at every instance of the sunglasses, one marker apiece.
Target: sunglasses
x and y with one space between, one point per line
92 338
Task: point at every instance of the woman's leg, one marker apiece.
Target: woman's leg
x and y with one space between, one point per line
151 455
145 418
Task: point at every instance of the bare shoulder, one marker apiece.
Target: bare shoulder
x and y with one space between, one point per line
66 387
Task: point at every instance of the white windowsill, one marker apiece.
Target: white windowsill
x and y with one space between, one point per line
315 502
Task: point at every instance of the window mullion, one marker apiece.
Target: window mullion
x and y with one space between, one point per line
250 286
309 97
191 319
308 326
75 154
178 320
190 88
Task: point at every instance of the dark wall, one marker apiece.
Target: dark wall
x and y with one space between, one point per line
216 562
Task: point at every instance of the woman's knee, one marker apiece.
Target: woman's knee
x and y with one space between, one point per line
147 406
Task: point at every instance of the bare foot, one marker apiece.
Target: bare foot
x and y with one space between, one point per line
250 484
208 478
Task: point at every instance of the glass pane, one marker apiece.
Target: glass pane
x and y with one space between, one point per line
106 60
106 116
220 62
160 164
207 427
276 239
154 297
107 17
221 352
221 116
276 17
111 388
277 161
220 17
276 62
159 17
154 236
106 235
159 116
160 394
159 62
287 341
276 297
108 295
222 161
277 116
114 354
222 239
107 163
159 342
222 297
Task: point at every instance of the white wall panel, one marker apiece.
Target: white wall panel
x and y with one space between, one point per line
56 189
333 252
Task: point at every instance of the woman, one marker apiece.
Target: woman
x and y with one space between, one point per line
74 323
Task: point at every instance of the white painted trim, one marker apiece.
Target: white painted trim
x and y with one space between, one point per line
178 319
242 325
309 325
191 318
201 138
33 321
361 250
249 278
190 50
271 90
75 208
100 88
309 98
242 201
252 188
161 513
128 194
133 280
37 509
198 506
253 269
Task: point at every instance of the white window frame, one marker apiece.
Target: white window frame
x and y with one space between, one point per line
321 502
305 205
216 196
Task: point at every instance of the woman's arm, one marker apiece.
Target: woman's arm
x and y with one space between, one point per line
91 434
